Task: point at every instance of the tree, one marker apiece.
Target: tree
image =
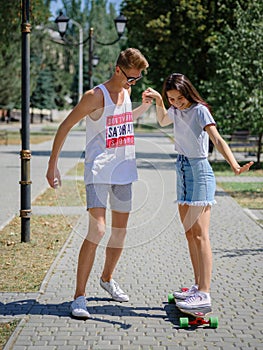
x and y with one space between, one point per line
96 14
218 45
176 36
236 91
10 60
102 20
44 93
10 49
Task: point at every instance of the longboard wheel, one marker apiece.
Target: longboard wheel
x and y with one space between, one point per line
171 298
184 322
213 322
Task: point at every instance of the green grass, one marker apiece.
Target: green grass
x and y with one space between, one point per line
248 195
71 193
14 137
24 265
6 329
252 187
78 170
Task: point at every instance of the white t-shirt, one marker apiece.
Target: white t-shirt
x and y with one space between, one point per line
190 138
110 150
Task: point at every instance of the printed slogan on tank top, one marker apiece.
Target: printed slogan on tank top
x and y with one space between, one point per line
119 130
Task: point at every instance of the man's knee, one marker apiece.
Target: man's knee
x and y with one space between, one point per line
117 238
96 232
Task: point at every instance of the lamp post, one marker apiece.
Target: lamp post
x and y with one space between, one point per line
91 47
62 21
25 183
120 24
80 93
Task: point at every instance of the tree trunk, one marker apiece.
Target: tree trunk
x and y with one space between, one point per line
259 147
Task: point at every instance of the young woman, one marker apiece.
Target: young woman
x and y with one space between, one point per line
193 125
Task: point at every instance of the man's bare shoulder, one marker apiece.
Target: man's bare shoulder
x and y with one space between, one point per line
94 97
95 101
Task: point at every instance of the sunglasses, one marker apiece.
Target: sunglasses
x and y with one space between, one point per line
130 79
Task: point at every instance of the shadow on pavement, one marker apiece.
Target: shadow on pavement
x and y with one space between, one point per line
233 253
33 307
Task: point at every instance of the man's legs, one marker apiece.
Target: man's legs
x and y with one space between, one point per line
115 244
88 249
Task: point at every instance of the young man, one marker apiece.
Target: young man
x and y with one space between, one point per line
110 169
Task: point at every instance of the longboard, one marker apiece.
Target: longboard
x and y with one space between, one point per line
198 315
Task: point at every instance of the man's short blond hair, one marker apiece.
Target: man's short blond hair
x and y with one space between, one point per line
132 59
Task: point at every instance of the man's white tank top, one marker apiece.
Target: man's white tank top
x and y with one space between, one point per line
110 149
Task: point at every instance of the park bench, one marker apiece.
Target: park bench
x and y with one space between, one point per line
4 136
242 141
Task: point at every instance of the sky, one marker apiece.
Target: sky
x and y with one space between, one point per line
55 5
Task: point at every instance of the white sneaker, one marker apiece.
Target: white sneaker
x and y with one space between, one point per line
114 290
199 299
79 308
187 293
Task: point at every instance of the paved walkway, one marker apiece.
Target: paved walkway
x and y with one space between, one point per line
154 262
10 171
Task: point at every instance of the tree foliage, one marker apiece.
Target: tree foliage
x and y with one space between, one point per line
61 61
217 44
177 35
43 96
98 15
10 49
239 69
236 90
10 60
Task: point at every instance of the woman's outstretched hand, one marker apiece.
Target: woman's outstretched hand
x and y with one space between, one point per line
243 168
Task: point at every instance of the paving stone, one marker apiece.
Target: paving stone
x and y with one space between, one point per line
154 262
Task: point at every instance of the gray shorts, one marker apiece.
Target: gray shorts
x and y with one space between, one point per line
120 196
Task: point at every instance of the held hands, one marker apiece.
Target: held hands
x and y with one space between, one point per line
146 99
150 94
239 170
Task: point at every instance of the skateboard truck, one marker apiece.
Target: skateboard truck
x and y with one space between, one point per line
198 321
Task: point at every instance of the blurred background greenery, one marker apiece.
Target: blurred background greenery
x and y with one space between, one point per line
217 44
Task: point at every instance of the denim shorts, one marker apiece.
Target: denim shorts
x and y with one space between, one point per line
196 183
120 196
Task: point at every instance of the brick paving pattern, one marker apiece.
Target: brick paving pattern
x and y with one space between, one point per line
154 262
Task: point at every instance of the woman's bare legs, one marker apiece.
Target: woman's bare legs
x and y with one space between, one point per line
196 222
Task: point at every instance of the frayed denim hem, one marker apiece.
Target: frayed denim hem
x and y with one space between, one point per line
196 204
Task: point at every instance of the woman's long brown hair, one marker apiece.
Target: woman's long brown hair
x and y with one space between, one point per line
180 82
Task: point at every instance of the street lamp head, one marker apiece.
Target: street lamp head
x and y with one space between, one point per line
95 60
62 22
120 24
